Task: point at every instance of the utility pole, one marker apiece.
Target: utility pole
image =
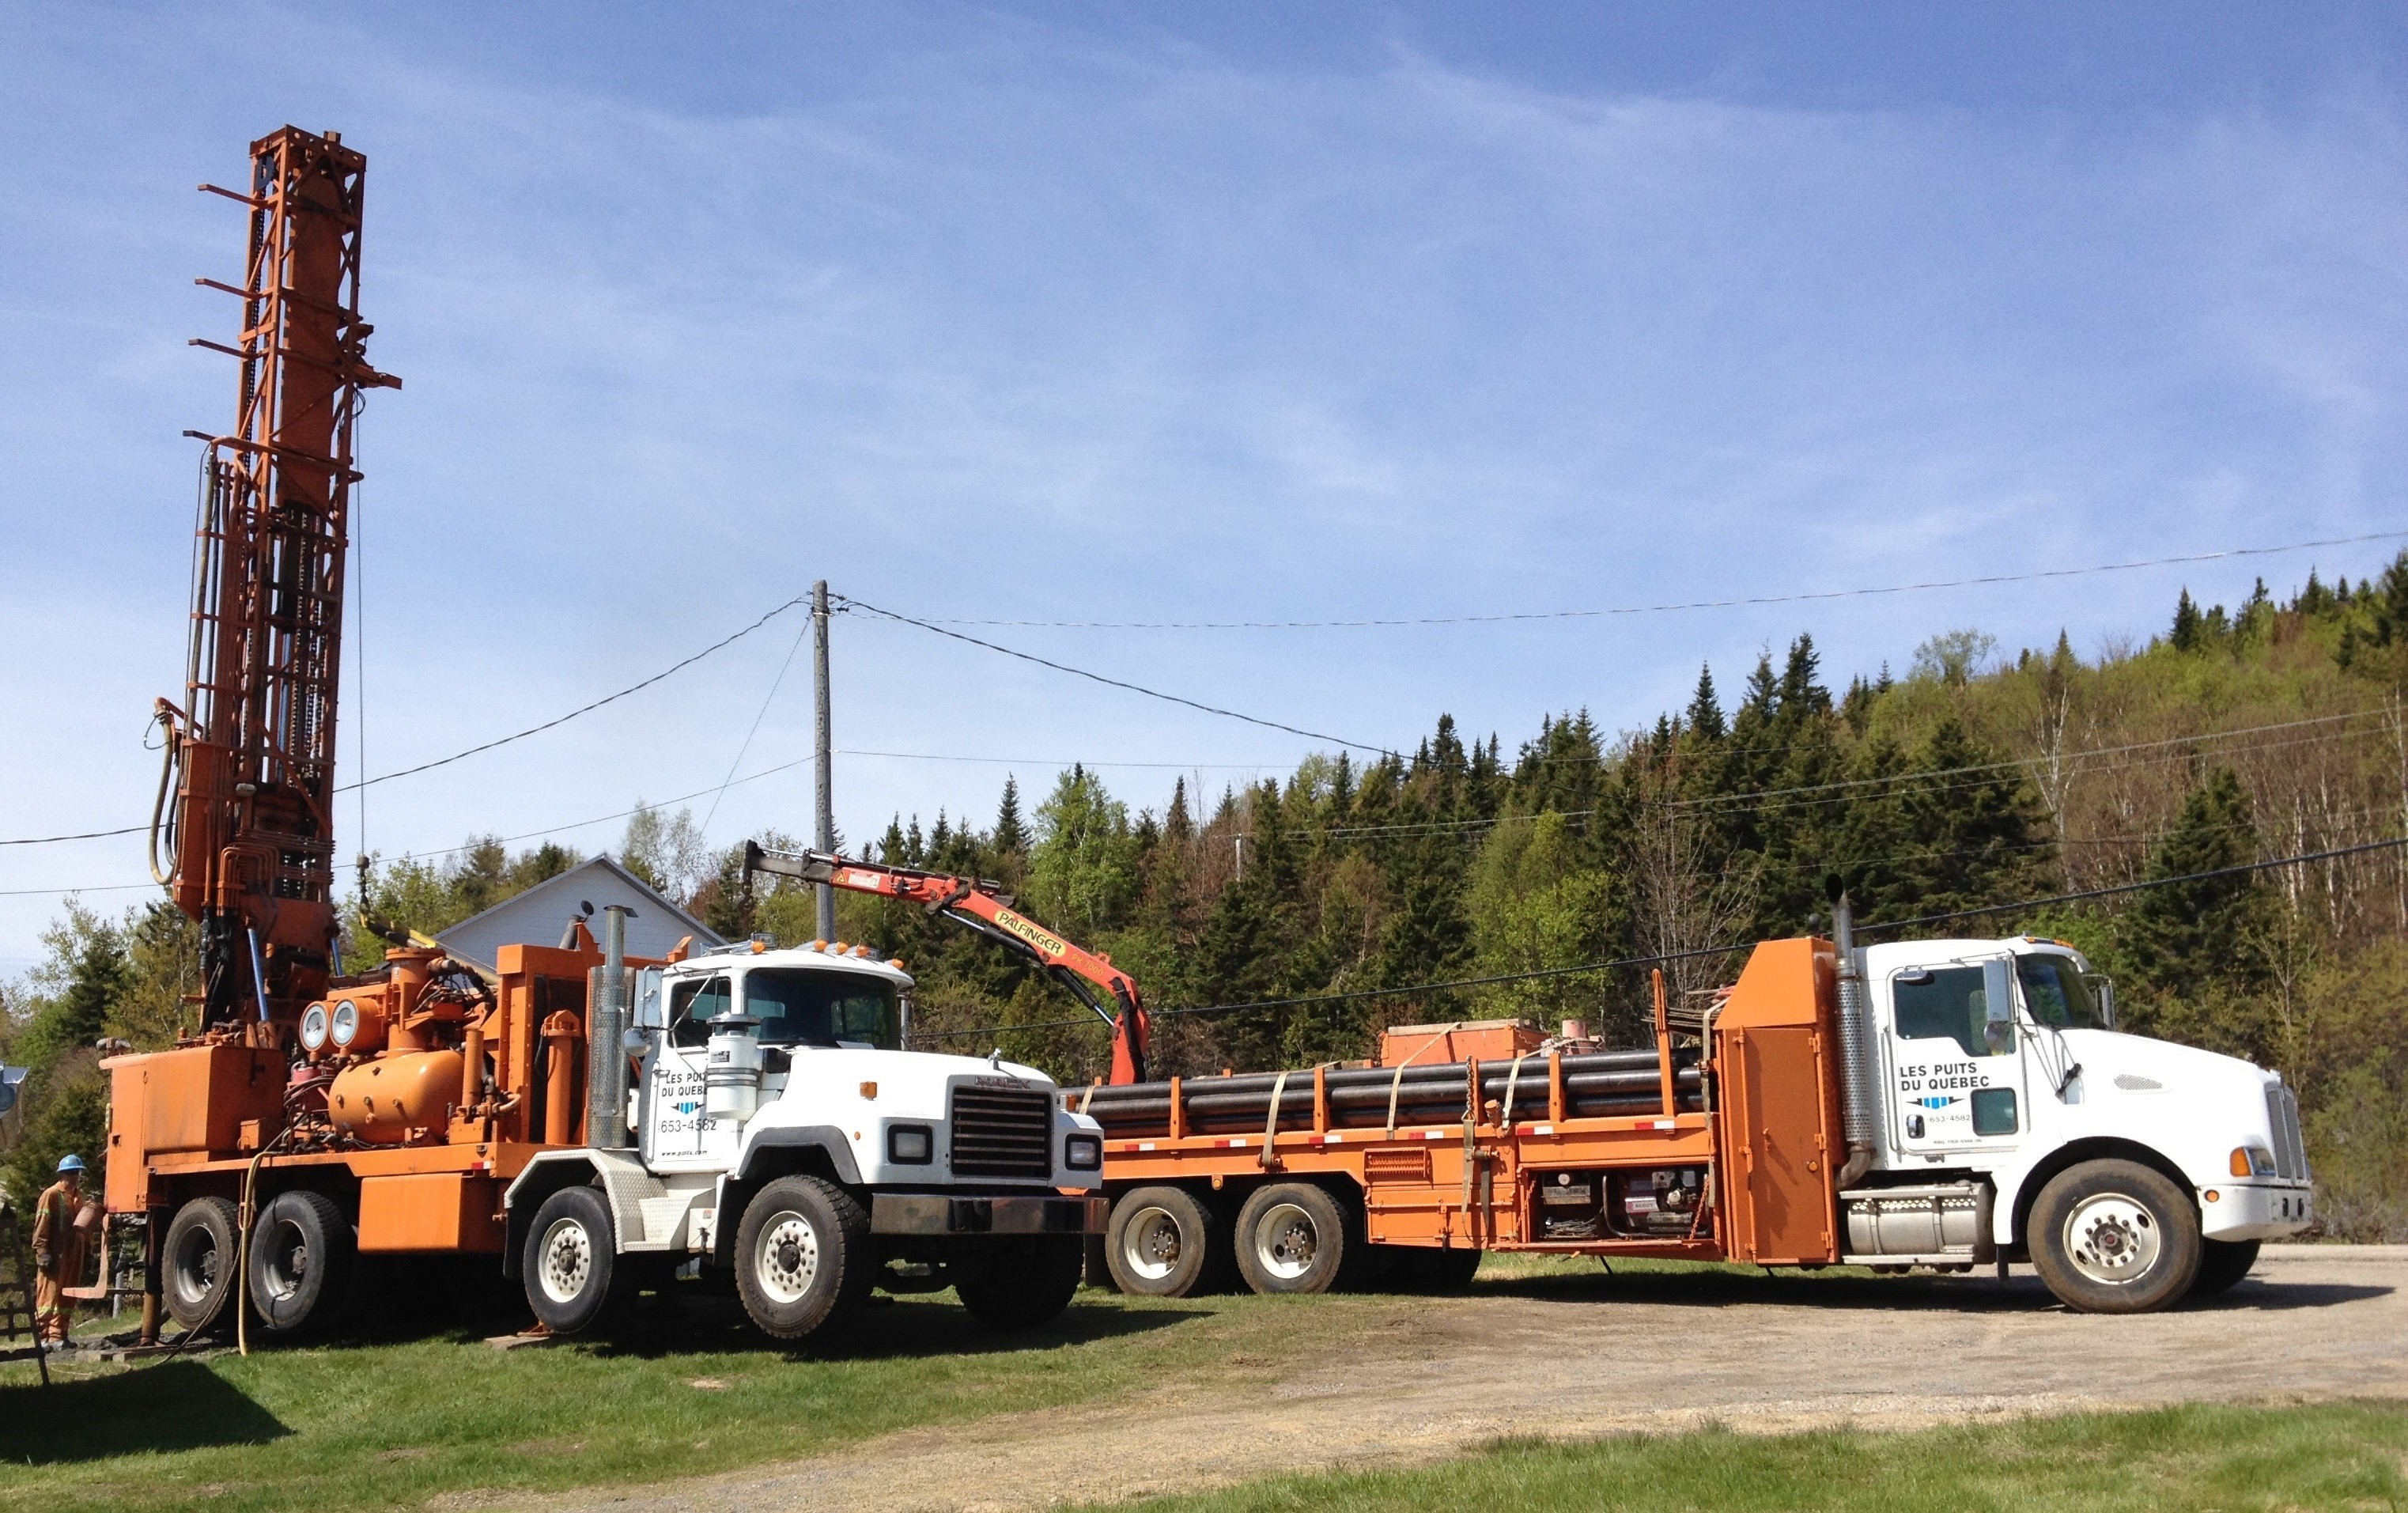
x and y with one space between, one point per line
824 779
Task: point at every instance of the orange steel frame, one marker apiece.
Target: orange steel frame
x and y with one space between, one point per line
1471 1184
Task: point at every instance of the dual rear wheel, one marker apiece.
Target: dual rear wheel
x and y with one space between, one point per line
1171 1242
303 1255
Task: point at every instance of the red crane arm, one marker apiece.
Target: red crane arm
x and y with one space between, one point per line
983 906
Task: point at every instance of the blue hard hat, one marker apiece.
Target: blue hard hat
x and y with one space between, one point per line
70 1164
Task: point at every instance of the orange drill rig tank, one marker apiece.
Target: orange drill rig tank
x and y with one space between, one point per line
381 1101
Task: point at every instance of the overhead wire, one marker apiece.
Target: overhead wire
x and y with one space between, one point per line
1589 968
716 646
1113 683
2036 576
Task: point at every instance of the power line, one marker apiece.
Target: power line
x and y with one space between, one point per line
2135 888
1591 967
583 709
1113 683
1660 609
87 835
1049 761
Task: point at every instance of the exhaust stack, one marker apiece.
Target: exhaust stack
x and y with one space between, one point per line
605 1061
1857 1115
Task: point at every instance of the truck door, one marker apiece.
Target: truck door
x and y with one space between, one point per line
678 1135
1956 1066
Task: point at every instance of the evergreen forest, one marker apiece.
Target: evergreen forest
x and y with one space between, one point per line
1285 923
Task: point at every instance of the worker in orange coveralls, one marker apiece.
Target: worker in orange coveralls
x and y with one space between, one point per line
58 1251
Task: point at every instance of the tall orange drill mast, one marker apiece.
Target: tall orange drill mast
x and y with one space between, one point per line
249 837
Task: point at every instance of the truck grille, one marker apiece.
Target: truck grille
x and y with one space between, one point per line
2290 1151
1002 1134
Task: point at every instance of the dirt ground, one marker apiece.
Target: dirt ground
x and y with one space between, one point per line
1634 1353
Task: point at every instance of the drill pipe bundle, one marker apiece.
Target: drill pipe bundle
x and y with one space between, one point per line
1602 1084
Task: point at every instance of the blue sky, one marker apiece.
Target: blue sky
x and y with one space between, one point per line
1176 312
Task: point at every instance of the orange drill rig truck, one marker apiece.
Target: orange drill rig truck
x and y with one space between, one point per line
580 1119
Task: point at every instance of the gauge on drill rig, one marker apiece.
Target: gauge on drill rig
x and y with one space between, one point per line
345 1022
314 1025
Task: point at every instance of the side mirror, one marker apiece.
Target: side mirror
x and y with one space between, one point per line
648 1000
636 1043
1999 1003
2104 989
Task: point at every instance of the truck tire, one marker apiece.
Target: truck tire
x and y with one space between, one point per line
1163 1243
576 1280
198 1264
804 1257
2114 1237
302 1250
2222 1265
1023 1281
1294 1237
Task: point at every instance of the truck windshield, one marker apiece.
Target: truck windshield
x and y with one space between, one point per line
800 1007
2057 993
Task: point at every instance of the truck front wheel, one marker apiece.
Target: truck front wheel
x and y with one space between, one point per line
2114 1237
576 1280
804 1256
1023 1281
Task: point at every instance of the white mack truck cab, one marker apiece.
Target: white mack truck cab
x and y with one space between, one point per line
1996 1113
779 1137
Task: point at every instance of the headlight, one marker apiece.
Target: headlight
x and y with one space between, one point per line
345 1022
2252 1160
313 1028
910 1145
1083 1153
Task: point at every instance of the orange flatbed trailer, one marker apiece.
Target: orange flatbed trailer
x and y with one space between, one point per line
1761 1133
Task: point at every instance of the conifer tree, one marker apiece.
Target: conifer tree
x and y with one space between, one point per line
2190 626
1011 838
2187 938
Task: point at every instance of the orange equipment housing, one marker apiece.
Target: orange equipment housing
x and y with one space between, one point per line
984 907
1749 1097
446 1076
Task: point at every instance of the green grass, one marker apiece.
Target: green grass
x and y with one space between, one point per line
391 1422
2335 1456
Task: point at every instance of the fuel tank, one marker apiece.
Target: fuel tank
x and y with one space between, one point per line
383 1099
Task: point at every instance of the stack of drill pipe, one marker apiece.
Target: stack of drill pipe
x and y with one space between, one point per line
1595 1085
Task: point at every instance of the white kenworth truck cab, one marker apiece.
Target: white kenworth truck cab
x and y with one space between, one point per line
2007 1116
776 1135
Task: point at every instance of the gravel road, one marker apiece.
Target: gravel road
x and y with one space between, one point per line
1651 1352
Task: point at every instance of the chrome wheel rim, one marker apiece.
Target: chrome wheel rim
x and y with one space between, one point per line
196 1267
285 1264
2113 1239
1285 1241
786 1259
567 1260
1150 1244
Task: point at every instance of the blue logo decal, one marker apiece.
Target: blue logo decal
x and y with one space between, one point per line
1935 1102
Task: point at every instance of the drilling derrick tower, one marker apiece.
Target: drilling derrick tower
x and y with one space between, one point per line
245 834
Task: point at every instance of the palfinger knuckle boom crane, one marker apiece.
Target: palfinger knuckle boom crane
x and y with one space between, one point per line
586 1122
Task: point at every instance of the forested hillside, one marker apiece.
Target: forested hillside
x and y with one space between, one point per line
1300 915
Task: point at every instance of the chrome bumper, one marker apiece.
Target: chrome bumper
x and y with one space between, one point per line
2257 1212
926 1212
